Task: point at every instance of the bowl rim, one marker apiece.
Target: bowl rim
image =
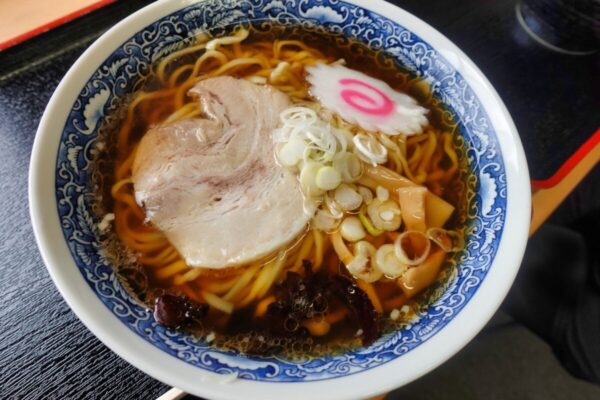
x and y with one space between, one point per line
160 365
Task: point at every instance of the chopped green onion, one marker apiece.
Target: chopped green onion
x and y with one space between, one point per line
369 149
382 193
308 176
328 178
385 214
368 225
348 165
366 194
333 207
352 230
325 222
405 238
347 197
388 263
362 266
292 152
298 117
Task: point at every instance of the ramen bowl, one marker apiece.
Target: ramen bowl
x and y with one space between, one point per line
66 227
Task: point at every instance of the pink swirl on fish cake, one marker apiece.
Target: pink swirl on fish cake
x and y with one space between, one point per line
383 107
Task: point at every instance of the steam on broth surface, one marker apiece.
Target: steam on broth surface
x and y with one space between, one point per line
262 213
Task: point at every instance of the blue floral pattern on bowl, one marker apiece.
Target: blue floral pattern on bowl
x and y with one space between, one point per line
116 77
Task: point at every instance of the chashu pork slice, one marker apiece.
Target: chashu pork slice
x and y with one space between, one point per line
212 184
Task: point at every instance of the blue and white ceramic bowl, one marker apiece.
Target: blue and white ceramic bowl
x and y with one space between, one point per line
66 231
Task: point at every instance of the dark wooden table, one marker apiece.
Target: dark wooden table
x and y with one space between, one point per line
46 353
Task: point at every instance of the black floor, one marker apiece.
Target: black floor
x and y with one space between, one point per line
505 362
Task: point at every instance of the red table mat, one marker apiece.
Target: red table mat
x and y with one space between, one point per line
24 19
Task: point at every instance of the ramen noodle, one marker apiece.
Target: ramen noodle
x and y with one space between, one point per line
290 193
